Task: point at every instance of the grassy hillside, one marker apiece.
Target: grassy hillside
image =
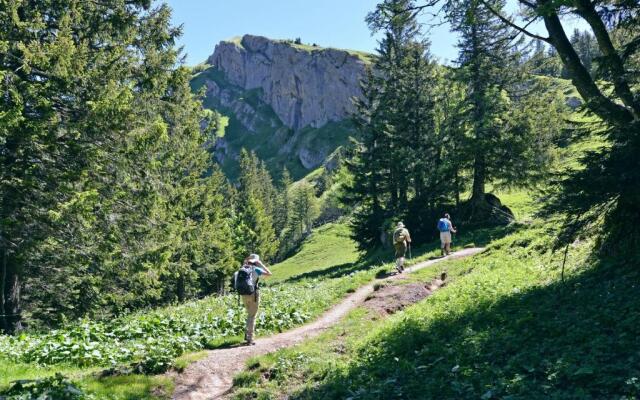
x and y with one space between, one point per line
152 340
324 270
507 326
328 247
272 141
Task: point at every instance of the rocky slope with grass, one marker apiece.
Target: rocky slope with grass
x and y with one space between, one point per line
287 101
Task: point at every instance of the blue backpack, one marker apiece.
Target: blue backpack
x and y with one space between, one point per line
443 225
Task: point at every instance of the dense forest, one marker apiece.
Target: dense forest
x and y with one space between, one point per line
110 198
111 201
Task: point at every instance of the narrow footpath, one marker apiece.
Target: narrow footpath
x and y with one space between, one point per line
211 377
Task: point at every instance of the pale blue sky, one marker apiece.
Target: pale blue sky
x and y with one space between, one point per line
329 23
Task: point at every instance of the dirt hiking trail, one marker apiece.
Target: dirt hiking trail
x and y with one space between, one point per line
212 377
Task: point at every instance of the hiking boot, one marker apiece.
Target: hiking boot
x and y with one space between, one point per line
250 343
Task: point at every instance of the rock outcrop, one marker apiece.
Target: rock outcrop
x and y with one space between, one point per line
304 85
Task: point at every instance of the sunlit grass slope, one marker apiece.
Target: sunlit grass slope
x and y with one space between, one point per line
507 326
328 246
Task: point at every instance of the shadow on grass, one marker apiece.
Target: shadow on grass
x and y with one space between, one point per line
577 340
225 342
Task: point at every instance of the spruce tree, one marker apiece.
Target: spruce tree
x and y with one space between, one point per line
283 209
304 209
399 145
255 202
499 95
487 65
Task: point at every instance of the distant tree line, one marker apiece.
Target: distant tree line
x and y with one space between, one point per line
546 61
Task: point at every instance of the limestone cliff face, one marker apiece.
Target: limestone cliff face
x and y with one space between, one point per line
305 86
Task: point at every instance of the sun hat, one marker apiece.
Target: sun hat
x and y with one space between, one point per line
253 258
400 225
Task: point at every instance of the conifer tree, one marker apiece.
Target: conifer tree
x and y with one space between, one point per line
255 228
304 209
399 147
283 204
499 95
487 65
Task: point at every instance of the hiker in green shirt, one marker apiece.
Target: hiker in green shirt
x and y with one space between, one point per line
401 240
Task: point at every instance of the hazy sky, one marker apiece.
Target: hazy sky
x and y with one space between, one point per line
329 23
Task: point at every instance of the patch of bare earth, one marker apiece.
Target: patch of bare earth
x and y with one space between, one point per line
389 299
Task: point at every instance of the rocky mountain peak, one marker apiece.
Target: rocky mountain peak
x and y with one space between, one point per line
307 86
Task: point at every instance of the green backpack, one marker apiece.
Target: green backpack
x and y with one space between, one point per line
399 235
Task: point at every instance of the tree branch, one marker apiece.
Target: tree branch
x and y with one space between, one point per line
597 102
512 24
586 10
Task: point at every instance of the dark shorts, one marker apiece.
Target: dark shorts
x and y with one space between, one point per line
401 249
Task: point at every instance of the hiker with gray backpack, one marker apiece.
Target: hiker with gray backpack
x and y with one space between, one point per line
245 282
446 228
401 241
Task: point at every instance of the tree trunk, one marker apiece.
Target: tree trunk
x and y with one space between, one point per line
479 177
180 288
9 296
612 59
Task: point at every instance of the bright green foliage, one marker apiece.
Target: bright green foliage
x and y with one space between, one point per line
257 200
304 209
282 208
149 342
55 387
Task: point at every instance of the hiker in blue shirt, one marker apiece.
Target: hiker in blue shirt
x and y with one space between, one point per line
446 228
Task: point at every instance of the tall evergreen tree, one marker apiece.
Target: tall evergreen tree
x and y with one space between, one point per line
499 94
255 202
487 65
304 209
282 211
396 118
